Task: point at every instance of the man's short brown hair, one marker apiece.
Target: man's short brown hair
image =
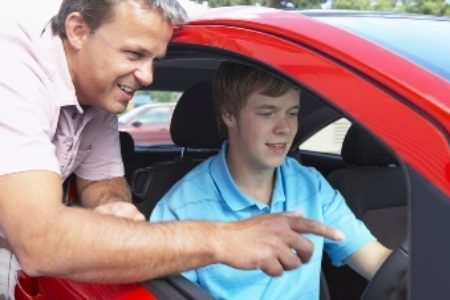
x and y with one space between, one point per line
97 12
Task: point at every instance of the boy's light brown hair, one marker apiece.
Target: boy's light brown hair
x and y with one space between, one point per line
234 83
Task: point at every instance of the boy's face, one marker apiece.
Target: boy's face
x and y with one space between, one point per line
110 64
262 134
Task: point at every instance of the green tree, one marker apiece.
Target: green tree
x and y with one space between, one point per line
161 96
431 7
352 4
434 7
267 3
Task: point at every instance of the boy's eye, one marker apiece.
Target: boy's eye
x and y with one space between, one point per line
265 114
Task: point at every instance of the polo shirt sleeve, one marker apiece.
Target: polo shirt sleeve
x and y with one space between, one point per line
26 125
163 213
337 214
100 149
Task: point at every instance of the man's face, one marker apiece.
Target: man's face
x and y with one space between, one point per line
262 133
107 66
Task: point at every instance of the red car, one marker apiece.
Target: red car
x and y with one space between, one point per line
148 124
388 74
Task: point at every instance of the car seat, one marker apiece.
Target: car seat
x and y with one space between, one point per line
128 153
193 128
375 189
373 185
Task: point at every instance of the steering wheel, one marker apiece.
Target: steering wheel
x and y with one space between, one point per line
391 277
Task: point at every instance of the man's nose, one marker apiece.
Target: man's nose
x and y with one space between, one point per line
144 74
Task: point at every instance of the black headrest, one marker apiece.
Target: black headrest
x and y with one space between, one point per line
126 145
194 121
361 149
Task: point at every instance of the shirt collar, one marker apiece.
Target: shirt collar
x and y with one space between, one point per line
60 75
230 192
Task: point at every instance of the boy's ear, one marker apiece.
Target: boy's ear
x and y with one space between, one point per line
77 30
228 118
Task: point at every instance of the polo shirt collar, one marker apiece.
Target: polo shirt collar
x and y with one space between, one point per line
230 192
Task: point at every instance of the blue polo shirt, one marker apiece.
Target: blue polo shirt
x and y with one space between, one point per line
208 192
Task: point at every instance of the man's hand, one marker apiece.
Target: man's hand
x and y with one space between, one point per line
271 242
109 197
121 209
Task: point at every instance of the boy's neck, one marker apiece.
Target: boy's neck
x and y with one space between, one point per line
257 184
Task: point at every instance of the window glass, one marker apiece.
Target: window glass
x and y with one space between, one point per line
156 115
329 139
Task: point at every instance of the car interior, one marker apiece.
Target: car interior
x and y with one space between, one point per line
367 173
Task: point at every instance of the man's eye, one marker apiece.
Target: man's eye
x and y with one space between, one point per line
133 54
293 113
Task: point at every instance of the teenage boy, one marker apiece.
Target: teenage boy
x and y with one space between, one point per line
252 176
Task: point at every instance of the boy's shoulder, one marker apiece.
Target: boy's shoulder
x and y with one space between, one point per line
291 166
197 183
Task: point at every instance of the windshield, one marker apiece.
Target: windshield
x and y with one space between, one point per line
424 40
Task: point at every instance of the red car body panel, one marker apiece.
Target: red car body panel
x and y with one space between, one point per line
41 288
383 92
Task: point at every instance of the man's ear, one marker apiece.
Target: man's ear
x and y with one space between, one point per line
77 30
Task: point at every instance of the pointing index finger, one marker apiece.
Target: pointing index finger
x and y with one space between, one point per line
302 225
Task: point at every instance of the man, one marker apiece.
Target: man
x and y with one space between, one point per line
62 82
252 176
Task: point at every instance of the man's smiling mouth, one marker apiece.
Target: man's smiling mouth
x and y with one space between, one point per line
130 91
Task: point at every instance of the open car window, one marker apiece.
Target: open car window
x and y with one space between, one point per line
329 139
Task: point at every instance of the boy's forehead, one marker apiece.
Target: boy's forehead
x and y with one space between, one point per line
289 98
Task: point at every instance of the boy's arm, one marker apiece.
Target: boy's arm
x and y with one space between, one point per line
367 260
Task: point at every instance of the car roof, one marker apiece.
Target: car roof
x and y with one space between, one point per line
422 39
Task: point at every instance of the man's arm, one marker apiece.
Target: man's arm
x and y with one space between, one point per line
367 260
94 193
110 196
54 240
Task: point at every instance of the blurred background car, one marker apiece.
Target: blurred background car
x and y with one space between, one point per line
149 124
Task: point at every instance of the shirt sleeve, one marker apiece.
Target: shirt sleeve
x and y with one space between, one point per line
337 214
26 111
100 149
163 213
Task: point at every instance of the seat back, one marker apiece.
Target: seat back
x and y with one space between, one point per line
193 127
128 153
373 185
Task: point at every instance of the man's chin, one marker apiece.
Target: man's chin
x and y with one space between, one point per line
117 108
